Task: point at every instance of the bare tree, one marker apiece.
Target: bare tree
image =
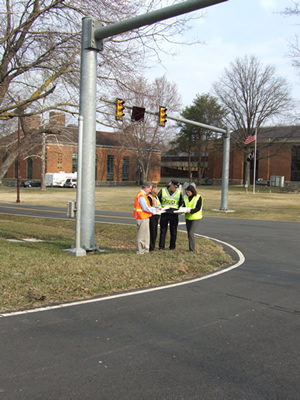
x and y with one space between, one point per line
146 137
294 45
253 96
40 53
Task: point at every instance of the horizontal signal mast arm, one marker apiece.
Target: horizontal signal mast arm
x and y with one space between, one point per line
152 17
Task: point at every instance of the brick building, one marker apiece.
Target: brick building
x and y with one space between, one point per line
115 163
278 153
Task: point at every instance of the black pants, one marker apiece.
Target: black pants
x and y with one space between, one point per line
165 219
153 222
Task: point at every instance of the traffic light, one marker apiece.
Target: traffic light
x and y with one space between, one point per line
162 116
120 110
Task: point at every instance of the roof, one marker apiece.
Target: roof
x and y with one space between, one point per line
274 134
108 139
69 136
280 132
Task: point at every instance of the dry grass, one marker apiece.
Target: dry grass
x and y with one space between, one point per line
41 273
34 274
268 204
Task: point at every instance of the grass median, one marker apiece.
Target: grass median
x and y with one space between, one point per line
36 269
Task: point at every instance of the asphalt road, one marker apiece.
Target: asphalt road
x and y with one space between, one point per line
233 336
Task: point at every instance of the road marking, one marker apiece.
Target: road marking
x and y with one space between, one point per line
33 209
139 292
55 211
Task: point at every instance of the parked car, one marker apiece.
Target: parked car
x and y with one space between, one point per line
262 182
71 183
31 183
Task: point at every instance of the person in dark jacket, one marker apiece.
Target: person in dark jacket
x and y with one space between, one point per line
154 219
171 197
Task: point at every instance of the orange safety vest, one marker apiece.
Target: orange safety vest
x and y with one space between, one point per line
138 212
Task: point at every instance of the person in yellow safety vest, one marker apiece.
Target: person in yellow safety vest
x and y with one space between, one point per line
194 203
142 212
153 221
171 197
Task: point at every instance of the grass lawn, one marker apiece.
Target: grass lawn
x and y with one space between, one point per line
267 203
35 273
42 273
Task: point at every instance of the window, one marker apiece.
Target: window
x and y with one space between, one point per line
29 168
295 168
4 157
74 162
110 168
96 162
16 168
59 160
125 169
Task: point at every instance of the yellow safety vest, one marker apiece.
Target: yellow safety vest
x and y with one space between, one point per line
155 201
191 204
170 200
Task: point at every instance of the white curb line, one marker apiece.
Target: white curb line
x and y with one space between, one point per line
142 291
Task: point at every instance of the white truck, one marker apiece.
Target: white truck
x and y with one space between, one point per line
58 179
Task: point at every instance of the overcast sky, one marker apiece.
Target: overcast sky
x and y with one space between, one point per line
232 29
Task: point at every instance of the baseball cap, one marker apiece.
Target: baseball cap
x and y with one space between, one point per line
175 183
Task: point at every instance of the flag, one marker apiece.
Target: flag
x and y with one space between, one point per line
250 138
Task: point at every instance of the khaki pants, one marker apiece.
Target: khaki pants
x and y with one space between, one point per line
143 236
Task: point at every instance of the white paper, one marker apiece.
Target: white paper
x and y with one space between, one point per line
163 210
182 210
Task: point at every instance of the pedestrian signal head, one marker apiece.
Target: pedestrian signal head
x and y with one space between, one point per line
120 110
138 113
250 156
162 116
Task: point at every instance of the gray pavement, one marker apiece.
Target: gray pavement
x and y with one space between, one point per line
234 336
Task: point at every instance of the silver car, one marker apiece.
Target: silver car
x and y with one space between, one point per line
71 183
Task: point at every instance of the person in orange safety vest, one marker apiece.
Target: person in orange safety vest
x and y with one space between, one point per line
142 212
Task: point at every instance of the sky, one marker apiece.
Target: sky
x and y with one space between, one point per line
231 30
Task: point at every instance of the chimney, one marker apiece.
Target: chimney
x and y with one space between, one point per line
34 121
57 118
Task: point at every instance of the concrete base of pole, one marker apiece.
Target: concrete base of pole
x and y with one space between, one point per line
223 210
77 252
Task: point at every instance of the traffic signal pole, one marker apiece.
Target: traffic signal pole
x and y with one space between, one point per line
93 34
226 150
154 16
226 155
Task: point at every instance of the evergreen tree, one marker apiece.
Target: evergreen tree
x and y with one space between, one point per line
194 140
